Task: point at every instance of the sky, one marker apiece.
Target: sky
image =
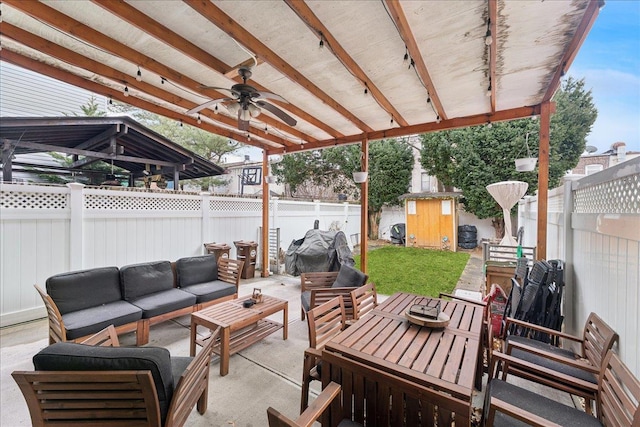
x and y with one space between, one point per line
609 61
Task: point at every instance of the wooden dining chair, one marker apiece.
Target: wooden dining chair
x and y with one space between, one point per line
330 396
573 372
363 300
325 322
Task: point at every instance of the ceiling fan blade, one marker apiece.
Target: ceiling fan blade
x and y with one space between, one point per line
233 92
207 104
242 124
277 112
268 95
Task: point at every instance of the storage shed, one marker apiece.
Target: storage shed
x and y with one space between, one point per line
432 220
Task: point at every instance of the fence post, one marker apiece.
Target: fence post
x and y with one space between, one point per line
567 235
76 226
206 213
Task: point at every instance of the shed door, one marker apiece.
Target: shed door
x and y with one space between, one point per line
432 221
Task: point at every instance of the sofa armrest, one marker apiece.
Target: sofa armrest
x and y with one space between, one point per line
57 332
229 270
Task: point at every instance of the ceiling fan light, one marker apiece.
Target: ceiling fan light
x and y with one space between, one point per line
254 111
245 115
233 108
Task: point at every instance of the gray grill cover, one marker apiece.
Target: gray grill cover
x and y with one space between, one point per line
318 250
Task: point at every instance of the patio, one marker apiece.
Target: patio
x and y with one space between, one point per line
265 374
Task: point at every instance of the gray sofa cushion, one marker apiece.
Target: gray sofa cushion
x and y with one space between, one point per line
138 280
349 277
536 404
78 290
65 356
163 302
94 319
197 269
211 290
305 300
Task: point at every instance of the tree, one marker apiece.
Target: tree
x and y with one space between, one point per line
390 165
474 157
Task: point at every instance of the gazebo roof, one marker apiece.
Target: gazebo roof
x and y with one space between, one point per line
467 62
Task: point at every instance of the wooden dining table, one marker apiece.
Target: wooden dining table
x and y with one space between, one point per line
383 355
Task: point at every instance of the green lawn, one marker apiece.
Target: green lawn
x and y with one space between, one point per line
420 271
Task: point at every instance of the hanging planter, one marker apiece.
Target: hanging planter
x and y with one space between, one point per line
360 177
526 164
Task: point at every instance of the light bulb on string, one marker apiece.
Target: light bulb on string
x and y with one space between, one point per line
125 92
488 94
438 118
162 80
139 75
180 122
266 130
406 55
199 119
110 100
215 109
321 44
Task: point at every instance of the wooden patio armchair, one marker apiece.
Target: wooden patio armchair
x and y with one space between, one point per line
324 322
618 394
329 396
108 337
575 372
128 397
363 300
320 287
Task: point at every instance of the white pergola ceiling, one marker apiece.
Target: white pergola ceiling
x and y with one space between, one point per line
180 46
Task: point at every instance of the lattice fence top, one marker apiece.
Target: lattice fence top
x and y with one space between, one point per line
235 205
33 200
620 196
296 207
148 203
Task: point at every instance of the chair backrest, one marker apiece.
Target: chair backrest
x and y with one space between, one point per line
349 277
123 398
363 300
597 339
229 270
317 279
619 394
326 321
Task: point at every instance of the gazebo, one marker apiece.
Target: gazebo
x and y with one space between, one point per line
322 73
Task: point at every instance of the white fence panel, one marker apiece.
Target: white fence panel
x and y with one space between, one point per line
47 230
601 250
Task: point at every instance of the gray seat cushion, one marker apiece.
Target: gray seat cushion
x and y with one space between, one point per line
197 269
78 290
94 319
148 278
305 299
541 345
536 404
349 277
65 356
211 290
163 302
556 366
178 365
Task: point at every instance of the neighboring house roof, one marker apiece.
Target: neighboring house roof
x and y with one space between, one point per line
129 144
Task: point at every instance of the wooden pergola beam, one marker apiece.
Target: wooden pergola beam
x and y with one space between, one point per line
398 16
493 52
307 16
225 23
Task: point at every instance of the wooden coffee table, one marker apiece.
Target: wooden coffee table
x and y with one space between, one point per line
240 327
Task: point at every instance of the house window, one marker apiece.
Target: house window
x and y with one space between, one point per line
591 169
427 182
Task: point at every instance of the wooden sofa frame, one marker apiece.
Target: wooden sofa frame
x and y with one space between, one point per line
113 398
228 271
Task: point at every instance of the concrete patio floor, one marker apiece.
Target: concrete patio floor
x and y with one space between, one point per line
266 374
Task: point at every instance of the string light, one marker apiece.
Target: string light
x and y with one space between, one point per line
428 99
438 118
125 92
139 75
266 130
199 119
162 80
180 122
248 137
406 55
489 124
411 64
215 109
489 91
366 88
391 120
321 45
110 100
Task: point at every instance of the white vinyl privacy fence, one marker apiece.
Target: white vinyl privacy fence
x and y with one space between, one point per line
45 230
594 226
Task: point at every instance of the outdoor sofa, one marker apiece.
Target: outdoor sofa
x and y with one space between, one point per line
134 297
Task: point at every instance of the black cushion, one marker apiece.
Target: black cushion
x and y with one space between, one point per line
349 277
77 290
197 269
91 320
305 299
163 302
178 366
211 290
536 404
556 366
541 345
147 278
65 356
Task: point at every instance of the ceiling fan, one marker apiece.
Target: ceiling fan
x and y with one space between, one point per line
246 102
